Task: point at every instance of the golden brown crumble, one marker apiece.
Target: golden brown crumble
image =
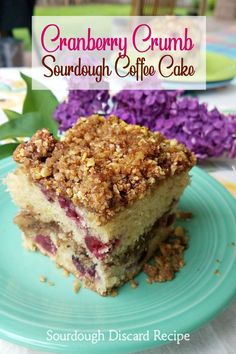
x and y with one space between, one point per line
133 283
51 283
185 215
179 231
169 259
114 293
66 273
103 164
76 286
42 279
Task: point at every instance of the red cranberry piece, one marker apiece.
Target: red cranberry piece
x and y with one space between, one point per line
97 247
71 212
46 243
49 194
69 209
64 203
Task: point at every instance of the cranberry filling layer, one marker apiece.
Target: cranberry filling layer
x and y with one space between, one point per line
46 243
82 268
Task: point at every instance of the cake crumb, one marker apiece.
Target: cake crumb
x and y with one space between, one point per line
133 283
58 265
233 244
217 272
185 215
217 261
51 283
76 286
114 293
66 273
150 270
149 281
42 279
169 258
179 231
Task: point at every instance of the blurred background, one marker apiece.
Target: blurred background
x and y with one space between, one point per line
15 18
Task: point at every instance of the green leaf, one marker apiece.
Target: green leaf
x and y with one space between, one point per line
42 101
7 149
51 124
11 114
38 110
26 126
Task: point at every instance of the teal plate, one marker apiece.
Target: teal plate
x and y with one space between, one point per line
36 315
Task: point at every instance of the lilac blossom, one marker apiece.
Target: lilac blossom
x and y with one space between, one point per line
208 133
80 103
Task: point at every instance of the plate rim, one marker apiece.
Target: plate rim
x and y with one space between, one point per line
216 56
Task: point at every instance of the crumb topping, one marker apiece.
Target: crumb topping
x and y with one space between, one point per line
102 164
169 258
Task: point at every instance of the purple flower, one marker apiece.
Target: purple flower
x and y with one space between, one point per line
143 107
208 133
80 103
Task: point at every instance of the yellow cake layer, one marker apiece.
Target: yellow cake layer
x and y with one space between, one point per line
127 225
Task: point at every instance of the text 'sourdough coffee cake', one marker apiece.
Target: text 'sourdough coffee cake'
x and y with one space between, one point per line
101 200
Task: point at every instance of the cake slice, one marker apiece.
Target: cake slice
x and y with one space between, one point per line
100 200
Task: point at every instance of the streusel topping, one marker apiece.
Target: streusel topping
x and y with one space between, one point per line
103 164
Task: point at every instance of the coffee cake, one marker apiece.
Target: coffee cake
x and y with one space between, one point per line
100 200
